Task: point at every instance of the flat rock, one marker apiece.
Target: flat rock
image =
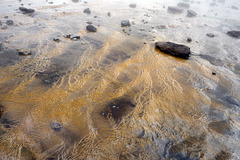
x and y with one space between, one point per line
125 23
183 5
87 11
133 5
191 13
173 9
9 22
235 34
24 52
26 10
56 126
174 49
91 28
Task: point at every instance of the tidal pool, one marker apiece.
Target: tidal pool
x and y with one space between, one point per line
111 94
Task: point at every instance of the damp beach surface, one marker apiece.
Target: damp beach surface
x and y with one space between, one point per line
84 79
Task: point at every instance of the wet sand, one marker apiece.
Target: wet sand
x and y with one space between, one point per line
111 94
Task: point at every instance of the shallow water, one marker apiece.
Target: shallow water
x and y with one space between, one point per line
111 94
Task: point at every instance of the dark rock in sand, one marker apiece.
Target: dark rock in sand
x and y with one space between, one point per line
56 126
1 111
26 10
189 40
56 39
183 5
87 11
24 52
174 49
125 23
214 73
210 35
173 9
0 22
133 5
109 14
191 13
91 28
235 34
9 22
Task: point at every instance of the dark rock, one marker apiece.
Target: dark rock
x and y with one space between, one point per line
221 127
191 13
0 22
189 40
109 14
210 35
125 23
174 49
74 36
234 7
183 5
87 11
173 9
56 39
133 5
9 22
24 52
1 111
91 28
26 10
235 34
56 126
214 73
6 17
1 46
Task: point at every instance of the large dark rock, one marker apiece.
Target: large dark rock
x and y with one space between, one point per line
173 9
91 28
191 13
125 23
174 49
183 5
26 10
1 46
235 34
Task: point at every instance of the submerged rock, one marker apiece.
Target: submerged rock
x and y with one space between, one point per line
91 28
191 13
26 10
9 22
174 49
87 11
24 52
125 23
133 5
235 34
183 5
56 126
173 9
